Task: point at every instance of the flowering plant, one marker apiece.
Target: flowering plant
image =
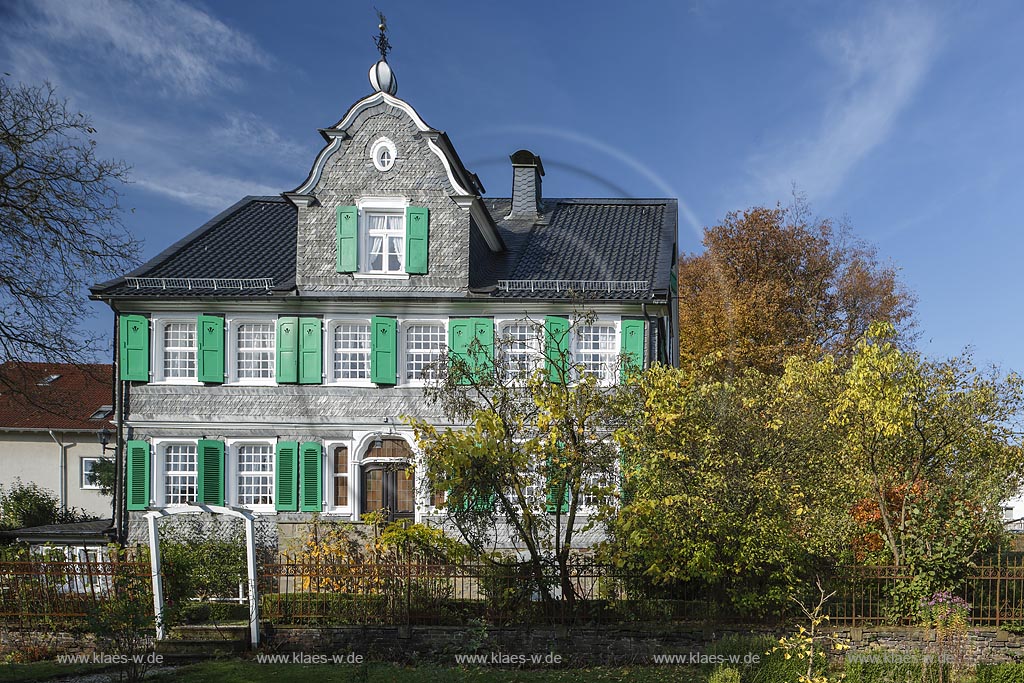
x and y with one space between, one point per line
945 611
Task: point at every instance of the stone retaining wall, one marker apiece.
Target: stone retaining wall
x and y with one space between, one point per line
632 644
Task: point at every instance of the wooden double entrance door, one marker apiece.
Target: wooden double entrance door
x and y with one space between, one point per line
388 484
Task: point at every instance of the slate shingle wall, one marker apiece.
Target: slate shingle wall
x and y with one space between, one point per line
320 405
418 174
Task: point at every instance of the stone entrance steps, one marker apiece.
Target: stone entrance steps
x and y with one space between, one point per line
204 642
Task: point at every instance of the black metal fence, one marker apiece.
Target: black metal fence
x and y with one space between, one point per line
298 591
50 593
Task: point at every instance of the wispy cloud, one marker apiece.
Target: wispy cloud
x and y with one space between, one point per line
183 49
172 60
879 64
247 134
202 190
210 168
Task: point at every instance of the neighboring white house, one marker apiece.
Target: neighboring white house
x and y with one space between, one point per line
51 419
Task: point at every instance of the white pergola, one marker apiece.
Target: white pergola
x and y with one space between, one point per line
156 514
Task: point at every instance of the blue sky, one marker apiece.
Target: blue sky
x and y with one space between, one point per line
904 118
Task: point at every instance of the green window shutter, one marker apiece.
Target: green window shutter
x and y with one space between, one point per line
477 501
483 332
556 347
310 482
557 489
210 488
210 361
384 350
632 347
461 333
138 471
134 341
288 350
286 472
348 239
417 237
310 351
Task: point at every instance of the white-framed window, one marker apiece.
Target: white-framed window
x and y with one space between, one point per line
384 242
592 498
596 349
179 349
339 489
253 470
253 351
521 347
174 349
383 154
350 355
180 469
425 343
88 480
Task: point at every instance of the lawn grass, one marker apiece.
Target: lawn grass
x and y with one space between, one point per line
245 671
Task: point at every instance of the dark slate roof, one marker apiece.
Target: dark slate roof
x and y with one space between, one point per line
28 401
255 238
97 529
592 240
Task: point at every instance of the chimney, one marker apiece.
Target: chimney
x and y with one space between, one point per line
527 171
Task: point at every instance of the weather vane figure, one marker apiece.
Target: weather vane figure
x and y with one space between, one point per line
381 40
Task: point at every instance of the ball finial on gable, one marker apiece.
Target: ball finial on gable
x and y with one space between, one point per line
382 78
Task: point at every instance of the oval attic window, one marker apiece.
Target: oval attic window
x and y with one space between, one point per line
383 154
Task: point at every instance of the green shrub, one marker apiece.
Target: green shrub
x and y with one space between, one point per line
508 588
772 667
212 612
999 673
328 609
862 672
724 675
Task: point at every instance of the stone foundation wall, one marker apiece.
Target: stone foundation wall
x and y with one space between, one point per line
635 644
44 642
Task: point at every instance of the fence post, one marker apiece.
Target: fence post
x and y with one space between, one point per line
408 587
999 576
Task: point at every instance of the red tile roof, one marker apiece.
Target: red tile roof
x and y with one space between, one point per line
65 403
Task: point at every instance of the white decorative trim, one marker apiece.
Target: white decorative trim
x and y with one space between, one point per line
337 132
380 276
483 219
371 202
318 165
447 167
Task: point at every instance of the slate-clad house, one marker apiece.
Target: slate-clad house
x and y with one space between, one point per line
267 358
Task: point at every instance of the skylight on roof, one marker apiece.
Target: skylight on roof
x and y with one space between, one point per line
48 380
104 411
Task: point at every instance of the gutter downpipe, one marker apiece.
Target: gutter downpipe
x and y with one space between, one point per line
120 527
651 326
62 468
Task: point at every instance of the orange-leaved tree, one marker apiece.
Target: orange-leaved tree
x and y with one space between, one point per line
773 283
